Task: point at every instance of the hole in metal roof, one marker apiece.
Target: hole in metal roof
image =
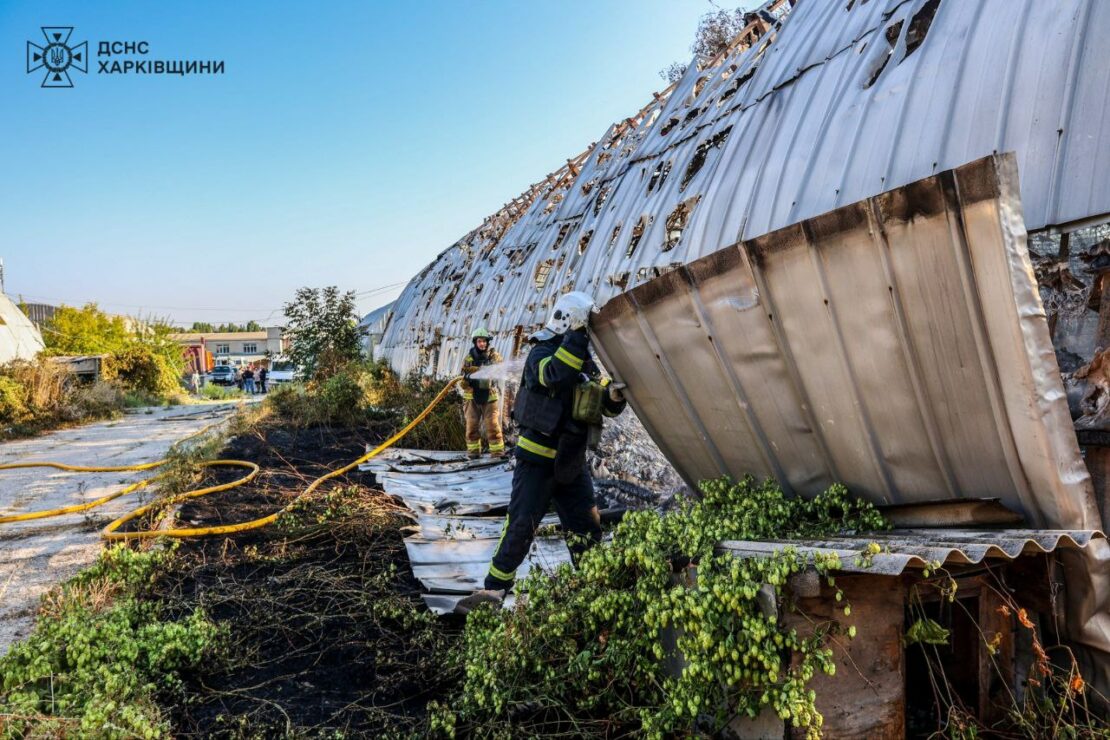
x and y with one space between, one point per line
677 221
638 233
891 35
700 153
602 194
660 175
920 23
616 233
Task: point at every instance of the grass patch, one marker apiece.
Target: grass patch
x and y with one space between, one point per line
213 392
361 394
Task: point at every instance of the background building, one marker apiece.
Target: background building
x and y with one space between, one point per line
237 348
38 313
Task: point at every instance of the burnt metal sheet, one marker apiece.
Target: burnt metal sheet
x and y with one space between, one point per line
423 461
459 490
453 503
839 102
918 548
455 527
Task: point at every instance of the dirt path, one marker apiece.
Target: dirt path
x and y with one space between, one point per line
37 554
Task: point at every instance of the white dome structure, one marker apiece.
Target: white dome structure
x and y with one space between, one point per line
19 339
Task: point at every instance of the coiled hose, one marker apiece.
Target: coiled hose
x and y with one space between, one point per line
111 532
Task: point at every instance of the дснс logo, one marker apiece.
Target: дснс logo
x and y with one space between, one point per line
57 56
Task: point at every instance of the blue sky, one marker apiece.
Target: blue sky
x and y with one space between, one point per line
346 143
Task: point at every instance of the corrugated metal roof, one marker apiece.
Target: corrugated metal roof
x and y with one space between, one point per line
918 548
845 101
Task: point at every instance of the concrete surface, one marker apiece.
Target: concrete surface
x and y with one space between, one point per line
36 555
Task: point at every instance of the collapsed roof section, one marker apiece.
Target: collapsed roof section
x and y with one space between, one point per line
827 105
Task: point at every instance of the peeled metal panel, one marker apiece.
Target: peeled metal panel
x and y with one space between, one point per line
902 350
898 345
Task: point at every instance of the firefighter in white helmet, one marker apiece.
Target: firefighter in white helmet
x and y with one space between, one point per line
551 409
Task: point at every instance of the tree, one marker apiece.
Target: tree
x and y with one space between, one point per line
85 331
202 327
323 329
715 31
142 354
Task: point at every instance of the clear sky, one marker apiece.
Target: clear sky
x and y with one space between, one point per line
346 143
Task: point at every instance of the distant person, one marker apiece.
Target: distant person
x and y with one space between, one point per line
481 399
263 373
194 382
248 380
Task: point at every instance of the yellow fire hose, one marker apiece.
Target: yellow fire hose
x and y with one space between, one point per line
110 533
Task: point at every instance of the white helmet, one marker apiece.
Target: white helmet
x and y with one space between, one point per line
571 311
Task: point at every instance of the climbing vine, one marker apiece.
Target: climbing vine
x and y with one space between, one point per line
655 633
99 654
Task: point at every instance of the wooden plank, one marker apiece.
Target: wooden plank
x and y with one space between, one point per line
866 697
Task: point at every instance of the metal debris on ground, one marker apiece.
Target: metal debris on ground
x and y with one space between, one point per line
458 507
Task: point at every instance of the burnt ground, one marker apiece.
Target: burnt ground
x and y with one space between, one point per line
325 630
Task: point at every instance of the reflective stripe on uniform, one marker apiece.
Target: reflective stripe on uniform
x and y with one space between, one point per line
543 364
493 569
536 449
497 447
500 574
474 446
569 359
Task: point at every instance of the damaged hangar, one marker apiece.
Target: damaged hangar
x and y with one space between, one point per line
827 255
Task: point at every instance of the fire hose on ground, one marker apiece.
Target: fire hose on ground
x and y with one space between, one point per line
110 532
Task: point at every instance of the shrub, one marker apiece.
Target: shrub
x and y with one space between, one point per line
342 399
362 393
137 399
99 400
13 401
290 403
584 653
46 385
139 367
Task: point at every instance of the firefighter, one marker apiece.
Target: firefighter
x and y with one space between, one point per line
481 399
558 379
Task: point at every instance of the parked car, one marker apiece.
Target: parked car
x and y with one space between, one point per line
223 375
282 371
